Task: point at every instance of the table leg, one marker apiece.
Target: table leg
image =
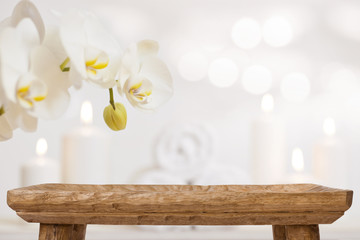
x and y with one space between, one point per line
79 232
62 231
302 232
55 231
279 232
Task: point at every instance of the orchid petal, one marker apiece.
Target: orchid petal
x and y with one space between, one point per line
74 39
98 36
26 9
129 64
15 45
5 23
157 72
45 67
14 61
18 118
30 90
52 41
27 122
147 47
93 52
6 131
75 77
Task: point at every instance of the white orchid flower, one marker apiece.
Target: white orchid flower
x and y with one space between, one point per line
5 128
30 73
11 115
93 52
144 78
25 9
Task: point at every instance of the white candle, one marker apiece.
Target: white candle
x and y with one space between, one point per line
268 145
298 165
40 169
86 152
329 158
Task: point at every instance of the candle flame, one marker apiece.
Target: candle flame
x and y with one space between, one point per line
329 126
41 147
297 160
86 113
267 103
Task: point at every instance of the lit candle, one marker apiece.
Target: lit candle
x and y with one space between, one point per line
268 145
40 169
329 157
86 152
298 167
297 164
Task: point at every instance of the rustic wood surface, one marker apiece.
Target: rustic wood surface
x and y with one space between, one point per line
177 198
294 204
182 218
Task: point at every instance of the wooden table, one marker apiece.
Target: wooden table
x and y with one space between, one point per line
294 211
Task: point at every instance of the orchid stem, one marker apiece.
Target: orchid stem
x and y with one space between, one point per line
63 65
112 98
2 110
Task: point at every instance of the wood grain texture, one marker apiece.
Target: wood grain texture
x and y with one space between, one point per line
294 204
183 218
56 232
177 198
79 232
307 232
279 232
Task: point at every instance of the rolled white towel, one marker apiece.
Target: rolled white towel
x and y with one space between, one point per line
218 174
185 150
158 176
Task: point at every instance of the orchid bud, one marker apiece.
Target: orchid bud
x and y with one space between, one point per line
115 118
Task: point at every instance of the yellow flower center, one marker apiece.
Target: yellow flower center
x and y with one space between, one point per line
95 60
140 92
30 92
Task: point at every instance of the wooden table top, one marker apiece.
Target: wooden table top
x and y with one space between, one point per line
180 204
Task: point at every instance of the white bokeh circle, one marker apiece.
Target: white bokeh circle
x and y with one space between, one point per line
257 79
193 66
277 31
223 72
246 33
295 87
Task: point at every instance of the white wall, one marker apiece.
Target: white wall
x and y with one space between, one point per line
181 26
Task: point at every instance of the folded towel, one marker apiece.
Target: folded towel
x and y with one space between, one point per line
222 174
158 176
185 150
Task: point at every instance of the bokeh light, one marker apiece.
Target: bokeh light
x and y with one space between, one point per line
267 103
295 87
343 81
329 126
277 31
193 66
223 72
344 19
41 147
246 33
257 79
297 160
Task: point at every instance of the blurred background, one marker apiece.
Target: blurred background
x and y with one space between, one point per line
265 92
